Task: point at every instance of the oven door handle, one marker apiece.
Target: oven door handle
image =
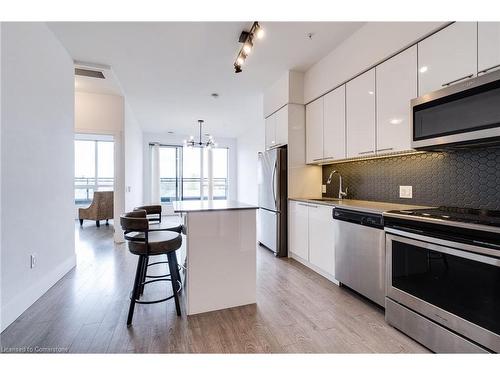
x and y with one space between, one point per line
446 250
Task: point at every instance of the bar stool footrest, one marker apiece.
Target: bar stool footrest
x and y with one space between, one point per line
159 300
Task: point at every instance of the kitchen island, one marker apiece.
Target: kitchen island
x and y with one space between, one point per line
221 248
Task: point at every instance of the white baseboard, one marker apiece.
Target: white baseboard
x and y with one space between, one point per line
316 269
14 308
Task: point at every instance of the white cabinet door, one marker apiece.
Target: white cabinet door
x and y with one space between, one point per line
321 238
488 48
334 124
396 86
282 126
270 131
314 131
447 57
298 230
360 115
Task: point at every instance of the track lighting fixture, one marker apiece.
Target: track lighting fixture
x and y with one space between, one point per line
247 38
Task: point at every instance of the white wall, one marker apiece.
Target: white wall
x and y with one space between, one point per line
105 114
133 161
177 140
250 143
371 44
36 165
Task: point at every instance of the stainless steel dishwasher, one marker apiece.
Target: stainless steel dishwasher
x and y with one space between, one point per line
360 252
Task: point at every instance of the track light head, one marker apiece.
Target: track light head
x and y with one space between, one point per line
241 59
259 31
247 47
237 68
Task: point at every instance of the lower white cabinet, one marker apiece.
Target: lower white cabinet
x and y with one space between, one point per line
311 236
298 229
321 238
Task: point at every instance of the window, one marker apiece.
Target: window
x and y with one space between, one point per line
191 173
180 173
169 172
220 157
94 168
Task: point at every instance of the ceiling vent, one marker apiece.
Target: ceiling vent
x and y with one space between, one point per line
89 73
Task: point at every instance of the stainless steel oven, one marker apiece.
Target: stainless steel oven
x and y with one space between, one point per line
443 293
463 114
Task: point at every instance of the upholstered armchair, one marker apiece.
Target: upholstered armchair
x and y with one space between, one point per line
101 208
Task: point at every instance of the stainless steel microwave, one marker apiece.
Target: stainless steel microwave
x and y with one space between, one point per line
462 115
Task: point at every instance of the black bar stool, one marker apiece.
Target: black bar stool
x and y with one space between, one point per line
153 213
146 243
155 224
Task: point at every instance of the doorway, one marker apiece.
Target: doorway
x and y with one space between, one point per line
94 166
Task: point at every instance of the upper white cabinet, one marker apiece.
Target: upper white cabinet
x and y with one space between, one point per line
325 127
270 131
447 57
488 48
277 128
360 115
396 86
289 89
314 131
321 238
334 124
282 126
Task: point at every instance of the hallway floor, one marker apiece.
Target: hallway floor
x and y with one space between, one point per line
297 311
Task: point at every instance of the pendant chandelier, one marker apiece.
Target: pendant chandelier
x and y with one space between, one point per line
209 143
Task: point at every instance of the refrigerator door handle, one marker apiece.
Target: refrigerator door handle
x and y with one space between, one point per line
274 183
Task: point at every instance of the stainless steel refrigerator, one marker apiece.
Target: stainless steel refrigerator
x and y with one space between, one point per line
273 200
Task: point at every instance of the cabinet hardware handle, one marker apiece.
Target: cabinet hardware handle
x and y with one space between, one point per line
457 80
276 145
385 149
328 157
365 152
488 69
317 159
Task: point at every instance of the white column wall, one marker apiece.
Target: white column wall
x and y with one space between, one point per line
37 162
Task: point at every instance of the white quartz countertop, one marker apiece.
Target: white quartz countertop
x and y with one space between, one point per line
360 205
210 205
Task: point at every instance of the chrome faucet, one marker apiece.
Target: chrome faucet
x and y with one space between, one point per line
342 194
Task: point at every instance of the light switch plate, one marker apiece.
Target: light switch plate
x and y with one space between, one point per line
406 192
323 189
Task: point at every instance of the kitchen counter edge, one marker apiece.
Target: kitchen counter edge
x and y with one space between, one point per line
360 205
206 206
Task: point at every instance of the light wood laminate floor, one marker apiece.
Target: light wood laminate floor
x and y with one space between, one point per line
297 311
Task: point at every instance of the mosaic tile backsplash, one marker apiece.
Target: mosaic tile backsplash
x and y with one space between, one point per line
461 178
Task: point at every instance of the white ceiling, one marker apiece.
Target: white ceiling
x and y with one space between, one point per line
168 70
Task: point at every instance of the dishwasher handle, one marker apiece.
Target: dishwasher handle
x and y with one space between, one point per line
358 217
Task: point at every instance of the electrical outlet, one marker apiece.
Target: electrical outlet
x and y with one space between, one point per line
323 189
406 192
32 260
